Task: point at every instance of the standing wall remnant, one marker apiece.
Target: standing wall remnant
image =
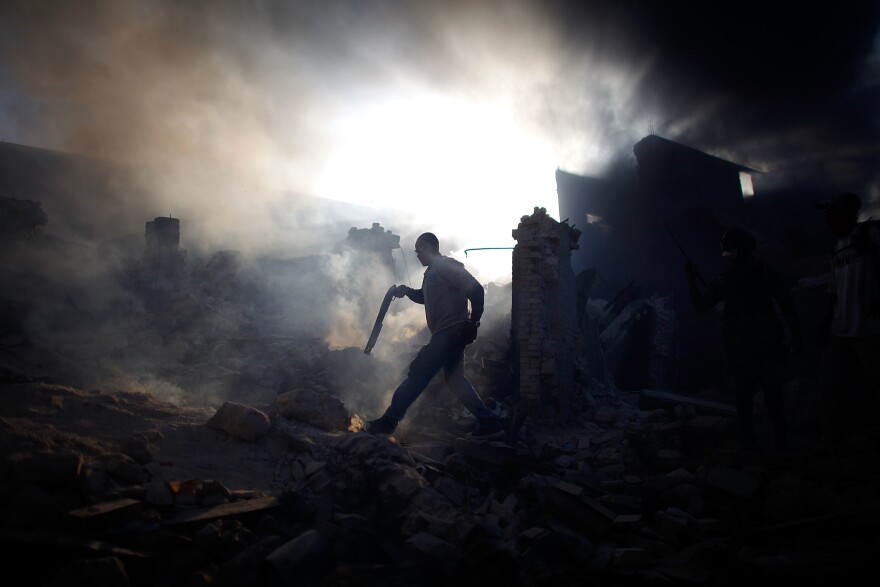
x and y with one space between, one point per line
164 260
375 241
544 324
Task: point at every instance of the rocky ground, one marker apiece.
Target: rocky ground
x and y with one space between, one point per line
211 441
104 487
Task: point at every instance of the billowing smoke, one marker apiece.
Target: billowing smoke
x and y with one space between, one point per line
223 112
443 109
271 127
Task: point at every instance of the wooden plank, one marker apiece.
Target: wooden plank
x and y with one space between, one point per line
650 398
495 453
224 510
113 509
580 511
44 540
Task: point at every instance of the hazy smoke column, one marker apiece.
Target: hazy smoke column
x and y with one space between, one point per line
234 116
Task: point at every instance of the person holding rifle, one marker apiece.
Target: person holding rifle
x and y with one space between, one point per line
752 334
850 331
447 287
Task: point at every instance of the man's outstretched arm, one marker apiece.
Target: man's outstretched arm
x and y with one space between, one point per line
415 295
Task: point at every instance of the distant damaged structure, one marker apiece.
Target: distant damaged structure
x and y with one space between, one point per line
21 219
639 226
375 241
164 262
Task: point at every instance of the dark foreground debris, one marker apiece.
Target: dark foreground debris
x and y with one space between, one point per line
639 490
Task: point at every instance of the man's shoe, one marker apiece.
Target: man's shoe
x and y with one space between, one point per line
382 425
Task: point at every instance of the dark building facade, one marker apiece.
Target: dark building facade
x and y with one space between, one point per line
164 262
637 228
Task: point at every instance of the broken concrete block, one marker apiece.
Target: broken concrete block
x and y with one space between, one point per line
213 487
587 514
672 523
157 493
320 482
212 500
452 489
569 488
632 557
126 470
436 451
308 552
242 422
733 481
627 519
417 522
784 498
431 547
318 409
93 480
106 571
312 467
46 470
605 415
138 449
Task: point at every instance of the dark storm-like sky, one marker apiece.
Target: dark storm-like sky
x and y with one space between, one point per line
256 88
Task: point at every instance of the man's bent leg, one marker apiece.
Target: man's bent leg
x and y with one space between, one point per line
453 371
422 369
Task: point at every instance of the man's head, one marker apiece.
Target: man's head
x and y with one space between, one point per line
841 212
427 248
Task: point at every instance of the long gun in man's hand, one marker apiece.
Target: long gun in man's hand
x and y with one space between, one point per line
690 263
377 326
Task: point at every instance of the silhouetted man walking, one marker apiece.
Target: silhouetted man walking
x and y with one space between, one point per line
446 289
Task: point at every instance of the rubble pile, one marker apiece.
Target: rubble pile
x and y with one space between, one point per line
230 449
20 219
642 487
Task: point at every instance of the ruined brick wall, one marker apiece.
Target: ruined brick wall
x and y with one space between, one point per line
164 261
543 317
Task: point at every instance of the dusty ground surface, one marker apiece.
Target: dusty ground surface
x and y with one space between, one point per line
58 419
114 470
616 499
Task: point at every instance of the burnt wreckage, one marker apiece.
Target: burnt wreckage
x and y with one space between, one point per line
258 472
640 225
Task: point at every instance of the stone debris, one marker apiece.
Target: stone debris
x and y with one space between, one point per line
590 501
274 481
241 421
321 410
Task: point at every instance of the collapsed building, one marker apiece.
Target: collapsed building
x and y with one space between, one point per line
371 241
164 262
277 484
640 225
21 219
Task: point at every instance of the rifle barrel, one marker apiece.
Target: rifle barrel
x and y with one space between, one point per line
687 258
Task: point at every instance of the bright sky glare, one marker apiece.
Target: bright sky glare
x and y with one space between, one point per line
470 169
